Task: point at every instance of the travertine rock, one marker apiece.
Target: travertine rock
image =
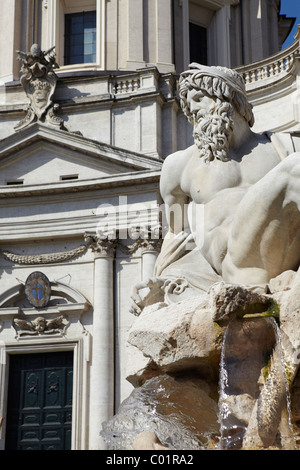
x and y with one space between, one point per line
228 301
148 440
178 337
243 336
188 334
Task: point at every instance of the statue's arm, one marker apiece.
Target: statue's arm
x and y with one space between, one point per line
176 212
175 200
176 217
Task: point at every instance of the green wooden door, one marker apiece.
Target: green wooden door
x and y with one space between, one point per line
39 415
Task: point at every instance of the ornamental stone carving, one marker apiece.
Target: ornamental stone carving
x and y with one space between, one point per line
39 82
39 325
47 258
102 247
104 244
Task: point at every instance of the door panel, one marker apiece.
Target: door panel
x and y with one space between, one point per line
39 413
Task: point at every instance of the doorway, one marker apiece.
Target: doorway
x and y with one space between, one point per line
39 412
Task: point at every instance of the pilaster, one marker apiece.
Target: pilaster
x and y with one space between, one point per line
135 31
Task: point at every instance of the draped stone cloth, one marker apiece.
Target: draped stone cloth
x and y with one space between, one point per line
177 262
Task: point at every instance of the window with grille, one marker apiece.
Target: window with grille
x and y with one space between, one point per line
80 37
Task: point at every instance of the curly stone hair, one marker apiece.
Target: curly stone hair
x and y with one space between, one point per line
220 82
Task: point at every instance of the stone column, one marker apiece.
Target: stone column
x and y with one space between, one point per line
150 250
102 369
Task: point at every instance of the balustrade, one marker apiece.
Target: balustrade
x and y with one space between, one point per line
276 66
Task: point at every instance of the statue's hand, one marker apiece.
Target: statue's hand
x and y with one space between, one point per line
146 293
135 298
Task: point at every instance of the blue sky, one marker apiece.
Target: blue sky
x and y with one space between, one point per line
291 8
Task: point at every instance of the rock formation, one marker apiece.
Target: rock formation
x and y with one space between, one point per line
175 364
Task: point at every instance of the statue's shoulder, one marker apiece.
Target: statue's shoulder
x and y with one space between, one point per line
173 169
179 158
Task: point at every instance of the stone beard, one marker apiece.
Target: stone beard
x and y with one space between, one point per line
213 130
213 127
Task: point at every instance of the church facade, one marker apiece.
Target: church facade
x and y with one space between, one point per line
84 130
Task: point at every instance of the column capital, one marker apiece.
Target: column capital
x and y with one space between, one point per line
149 245
146 239
102 247
149 240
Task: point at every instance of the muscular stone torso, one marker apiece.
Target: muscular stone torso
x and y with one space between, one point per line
204 181
220 186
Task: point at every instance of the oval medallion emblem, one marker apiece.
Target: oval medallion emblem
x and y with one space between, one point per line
37 289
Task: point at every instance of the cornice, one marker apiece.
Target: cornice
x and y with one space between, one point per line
114 181
215 4
75 141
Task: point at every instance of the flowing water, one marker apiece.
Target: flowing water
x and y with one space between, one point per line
168 407
231 431
287 390
245 395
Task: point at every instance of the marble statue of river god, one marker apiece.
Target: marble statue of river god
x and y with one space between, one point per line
251 197
232 198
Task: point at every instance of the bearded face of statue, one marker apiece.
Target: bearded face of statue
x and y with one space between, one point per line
213 125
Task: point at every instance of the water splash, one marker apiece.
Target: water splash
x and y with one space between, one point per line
179 411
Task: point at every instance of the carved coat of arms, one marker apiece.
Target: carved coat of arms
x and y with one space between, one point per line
39 82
